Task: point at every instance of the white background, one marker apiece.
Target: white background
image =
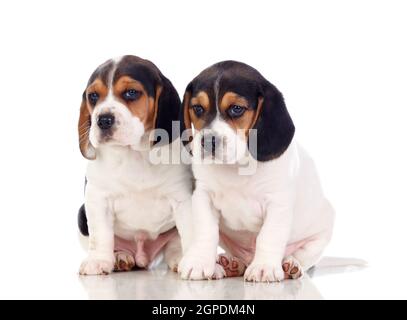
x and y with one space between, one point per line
342 66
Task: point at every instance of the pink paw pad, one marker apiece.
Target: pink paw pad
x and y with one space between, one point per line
233 267
292 268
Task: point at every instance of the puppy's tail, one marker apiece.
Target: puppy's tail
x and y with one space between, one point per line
83 221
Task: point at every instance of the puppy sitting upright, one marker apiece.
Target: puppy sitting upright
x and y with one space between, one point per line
273 222
131 205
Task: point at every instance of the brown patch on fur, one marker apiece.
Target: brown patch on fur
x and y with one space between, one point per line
99 87
202 99
187 118
249 117
158 91
83 130
85 113
142 108
258 111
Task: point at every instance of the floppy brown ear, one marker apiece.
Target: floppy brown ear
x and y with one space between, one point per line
87 150
167 106
275 128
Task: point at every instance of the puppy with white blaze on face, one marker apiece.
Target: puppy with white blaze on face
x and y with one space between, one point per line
134 209
273 221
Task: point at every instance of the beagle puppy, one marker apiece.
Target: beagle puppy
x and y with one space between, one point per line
273 221
134 208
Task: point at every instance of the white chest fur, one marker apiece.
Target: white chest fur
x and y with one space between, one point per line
237 198
137 193
239 212
290 180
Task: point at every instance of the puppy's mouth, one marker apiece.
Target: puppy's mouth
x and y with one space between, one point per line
106 136
117 136
111 137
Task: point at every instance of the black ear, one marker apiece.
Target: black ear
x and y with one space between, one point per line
168 108
275 128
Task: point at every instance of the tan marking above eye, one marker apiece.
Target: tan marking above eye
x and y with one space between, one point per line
244 122
99 87
201 99
142 108
231 98
126 83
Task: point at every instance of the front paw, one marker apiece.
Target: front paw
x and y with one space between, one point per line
259 271
124 261
91 266
292 268
194 267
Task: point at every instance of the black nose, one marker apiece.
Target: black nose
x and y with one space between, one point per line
106 121
210 142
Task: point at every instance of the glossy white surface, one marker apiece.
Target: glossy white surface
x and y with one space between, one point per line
160 283
320 283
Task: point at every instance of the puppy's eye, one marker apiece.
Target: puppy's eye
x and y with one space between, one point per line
93 98
198 109
131 95
236 111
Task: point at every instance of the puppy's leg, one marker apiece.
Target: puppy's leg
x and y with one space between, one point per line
272 240
183 220
124 261
101 238
199 262
182 207
311 251
309 254
124 252
173 253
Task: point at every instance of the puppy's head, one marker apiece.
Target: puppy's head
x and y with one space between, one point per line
124 100
226 101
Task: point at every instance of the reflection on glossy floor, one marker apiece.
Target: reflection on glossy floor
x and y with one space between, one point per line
161 283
